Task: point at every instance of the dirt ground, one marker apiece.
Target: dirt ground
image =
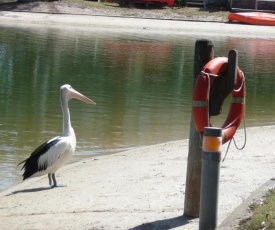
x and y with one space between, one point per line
113 9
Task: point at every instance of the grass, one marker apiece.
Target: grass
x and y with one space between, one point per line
95 4
263 214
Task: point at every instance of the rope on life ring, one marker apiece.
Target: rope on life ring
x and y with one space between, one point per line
200 106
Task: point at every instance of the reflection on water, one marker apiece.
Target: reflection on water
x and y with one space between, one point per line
258 57
142 84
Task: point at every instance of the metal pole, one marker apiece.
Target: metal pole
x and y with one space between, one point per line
211 156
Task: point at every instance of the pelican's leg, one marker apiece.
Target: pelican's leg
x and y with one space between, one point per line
50 179
54 180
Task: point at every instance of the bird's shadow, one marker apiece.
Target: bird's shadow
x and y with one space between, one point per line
30 190
164 224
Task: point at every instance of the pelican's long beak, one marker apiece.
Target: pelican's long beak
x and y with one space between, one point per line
81 97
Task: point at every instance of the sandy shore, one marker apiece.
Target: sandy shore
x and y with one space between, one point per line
141 25
137 189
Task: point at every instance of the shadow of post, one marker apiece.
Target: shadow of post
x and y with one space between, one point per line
164 224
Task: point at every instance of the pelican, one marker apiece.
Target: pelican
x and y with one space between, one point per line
53 154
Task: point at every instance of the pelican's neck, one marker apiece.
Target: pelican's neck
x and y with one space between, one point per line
67 128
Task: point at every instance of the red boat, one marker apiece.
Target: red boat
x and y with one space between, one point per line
253 18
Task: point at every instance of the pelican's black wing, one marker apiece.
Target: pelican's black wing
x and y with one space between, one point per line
31 164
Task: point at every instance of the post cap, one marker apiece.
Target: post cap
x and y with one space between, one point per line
212 132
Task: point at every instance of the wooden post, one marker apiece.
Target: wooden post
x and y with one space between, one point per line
204 52
223 85
232 67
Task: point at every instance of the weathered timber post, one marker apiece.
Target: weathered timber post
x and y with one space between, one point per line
204 52
223 85
232 67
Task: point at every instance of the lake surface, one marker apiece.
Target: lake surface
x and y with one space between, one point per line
142 84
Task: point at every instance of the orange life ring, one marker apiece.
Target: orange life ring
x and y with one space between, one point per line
210 71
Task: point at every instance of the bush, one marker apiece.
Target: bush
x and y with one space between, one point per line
180 2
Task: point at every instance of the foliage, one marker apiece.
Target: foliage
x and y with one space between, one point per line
263 214
180 2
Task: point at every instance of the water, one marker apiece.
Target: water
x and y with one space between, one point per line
142 84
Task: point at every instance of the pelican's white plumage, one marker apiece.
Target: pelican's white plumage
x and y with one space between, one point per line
58 155
53 154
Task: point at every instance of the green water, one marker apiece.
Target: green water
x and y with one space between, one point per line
142 84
